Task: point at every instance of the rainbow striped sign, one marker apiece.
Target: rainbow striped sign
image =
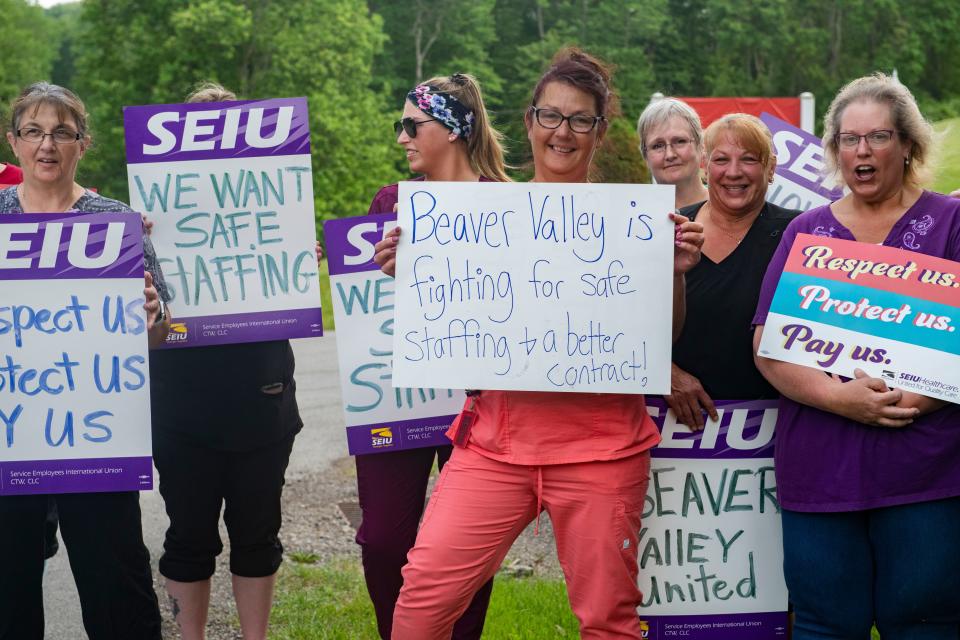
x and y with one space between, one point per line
843 305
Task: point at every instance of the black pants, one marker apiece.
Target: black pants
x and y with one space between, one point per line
195 482
111 565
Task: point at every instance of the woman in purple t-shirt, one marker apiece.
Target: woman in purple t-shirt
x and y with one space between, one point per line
868 476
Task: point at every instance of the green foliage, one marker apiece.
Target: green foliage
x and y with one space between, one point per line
355 61
29 44
947 178
619 159
322 49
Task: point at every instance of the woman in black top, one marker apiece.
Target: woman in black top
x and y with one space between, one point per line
224 421
713 358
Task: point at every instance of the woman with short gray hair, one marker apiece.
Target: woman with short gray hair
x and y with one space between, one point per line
671 141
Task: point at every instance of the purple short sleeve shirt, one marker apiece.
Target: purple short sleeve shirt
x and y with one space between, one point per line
827 463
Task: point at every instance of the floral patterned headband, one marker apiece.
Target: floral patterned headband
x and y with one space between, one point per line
443 108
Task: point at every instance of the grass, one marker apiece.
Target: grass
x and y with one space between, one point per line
326 302
947 178
330 602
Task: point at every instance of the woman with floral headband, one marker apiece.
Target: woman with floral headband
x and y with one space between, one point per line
447 136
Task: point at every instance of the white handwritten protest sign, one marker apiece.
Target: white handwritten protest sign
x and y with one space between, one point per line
799 181
74 385
379 416
711 560
843 305
228 186
551 287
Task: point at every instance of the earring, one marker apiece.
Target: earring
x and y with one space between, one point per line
906 161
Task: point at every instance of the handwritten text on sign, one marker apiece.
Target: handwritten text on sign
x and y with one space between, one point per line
379 416
74 386
710 553
229 189
842 305
541 287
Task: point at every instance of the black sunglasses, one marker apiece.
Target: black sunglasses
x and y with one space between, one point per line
409 125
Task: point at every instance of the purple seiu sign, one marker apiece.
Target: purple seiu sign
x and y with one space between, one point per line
74 379
229 187
800 181
379 416
709 547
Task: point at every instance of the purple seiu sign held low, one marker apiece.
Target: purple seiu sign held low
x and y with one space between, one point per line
229 188
709 551
379 416
74 379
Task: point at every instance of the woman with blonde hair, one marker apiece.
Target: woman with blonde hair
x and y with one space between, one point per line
446 134
867 475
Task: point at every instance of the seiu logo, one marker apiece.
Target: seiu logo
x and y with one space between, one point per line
216 129
381 437
910 377
43 245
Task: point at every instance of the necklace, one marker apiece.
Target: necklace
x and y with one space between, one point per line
738 238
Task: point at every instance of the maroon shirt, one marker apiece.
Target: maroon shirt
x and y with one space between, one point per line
827 463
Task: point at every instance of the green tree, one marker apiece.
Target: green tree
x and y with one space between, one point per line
24 33
261 49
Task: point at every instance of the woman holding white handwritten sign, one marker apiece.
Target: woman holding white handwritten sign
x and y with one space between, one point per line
447 136
583 457
102 531
868 476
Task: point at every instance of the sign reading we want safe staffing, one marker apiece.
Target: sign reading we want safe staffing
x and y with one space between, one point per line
228 186
74 378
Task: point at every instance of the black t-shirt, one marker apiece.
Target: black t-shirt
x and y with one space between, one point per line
218 396
716 344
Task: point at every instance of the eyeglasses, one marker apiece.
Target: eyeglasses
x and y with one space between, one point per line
678 145
60 136
409 125
550 119
875 139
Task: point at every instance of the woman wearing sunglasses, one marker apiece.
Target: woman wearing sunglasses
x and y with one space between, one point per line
447 136
583 457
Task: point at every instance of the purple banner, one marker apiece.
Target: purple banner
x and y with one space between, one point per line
800 157
217 130
244 327
87 475
740 626
394 436
45 246
350 241
745 430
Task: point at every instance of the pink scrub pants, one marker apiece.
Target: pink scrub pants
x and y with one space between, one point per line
480 506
